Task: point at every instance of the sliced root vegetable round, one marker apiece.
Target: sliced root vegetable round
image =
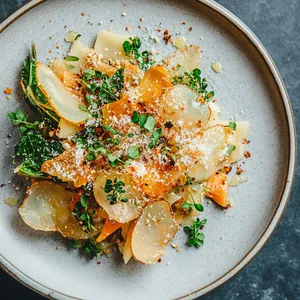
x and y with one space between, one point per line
153 230
47 208
65 104
110 45
121 211
188 58
182 104
213 149
79 51
37 210
66 129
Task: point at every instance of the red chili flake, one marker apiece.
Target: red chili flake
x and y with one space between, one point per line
191 28
158 30
83 14
227 170
239 171
183 23
8 91
159 260
111 20
141 19
246 142
247 154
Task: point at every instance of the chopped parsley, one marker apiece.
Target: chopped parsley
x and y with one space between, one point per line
114 189
131 48
150 123
154 138
133 152
196 238
196 83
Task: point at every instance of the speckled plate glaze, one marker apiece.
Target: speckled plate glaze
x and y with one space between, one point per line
249 86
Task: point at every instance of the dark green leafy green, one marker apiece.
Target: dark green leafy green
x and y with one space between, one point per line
34 150
31 88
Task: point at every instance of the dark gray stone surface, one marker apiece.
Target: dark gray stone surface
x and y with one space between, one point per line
275 272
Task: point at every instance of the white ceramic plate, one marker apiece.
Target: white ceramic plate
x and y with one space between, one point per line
249 86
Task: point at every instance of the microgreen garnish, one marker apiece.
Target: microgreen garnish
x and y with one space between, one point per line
230 149
196 83
196 238
232 125
21 119
82 107
72 58
188 181
74 244
133 152
110 129
131 48
91 249
80 211
114 189
105 89
154 138
190 206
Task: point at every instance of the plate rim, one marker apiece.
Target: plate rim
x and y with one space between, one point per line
289 180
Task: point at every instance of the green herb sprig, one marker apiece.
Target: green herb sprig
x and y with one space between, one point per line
131 48
114 189
20 119
196 237
195 82
80 211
